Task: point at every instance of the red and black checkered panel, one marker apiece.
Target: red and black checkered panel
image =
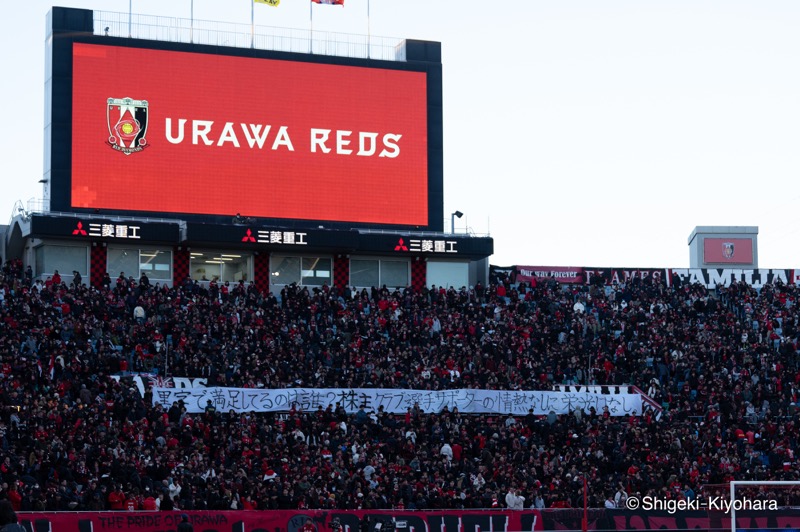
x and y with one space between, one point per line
180 265
98 258
341 271
261 271
419 274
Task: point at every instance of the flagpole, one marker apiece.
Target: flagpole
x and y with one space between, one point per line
368 32
311 33
252 24
130 15
191 22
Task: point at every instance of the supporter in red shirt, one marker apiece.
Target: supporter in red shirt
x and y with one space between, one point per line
14 496
131 504
149 503
116 499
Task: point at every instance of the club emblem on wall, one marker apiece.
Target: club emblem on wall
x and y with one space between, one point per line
127 124
727 250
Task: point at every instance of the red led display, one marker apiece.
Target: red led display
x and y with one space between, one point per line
180 132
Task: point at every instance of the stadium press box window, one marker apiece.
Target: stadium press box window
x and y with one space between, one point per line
220 266
305 271
366 273
156 263
65 259
447 273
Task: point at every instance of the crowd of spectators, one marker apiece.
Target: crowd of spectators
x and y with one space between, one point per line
722 363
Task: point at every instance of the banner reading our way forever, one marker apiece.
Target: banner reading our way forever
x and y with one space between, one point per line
398 401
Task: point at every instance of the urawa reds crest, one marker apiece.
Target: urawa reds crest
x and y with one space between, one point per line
728 250
127 124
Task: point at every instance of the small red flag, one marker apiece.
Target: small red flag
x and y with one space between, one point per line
330 2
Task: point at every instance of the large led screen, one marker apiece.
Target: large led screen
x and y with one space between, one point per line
181 132
728 250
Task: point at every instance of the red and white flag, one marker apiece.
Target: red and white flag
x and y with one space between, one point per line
330 2
51 368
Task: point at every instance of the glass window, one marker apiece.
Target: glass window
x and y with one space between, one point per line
39 267
156 264
205 266
285 270
394 273
123 261
364 273
219 266
235 269
316 272
65 259
308 271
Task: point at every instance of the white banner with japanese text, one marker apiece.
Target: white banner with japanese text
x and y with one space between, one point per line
397 401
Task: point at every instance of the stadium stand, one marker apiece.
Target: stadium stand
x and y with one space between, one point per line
722 363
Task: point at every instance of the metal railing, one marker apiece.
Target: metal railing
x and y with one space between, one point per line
114 217
417 232
159 28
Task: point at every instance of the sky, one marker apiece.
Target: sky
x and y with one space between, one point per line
576 132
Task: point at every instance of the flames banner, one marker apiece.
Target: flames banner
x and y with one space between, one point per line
709 277
397 401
